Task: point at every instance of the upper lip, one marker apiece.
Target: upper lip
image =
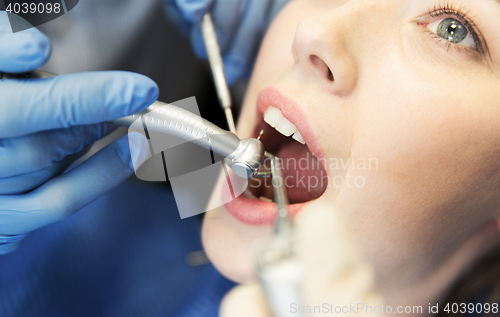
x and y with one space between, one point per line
271 96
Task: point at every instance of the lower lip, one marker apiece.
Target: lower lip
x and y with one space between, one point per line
254 212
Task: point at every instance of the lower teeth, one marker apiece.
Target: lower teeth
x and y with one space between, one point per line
265 199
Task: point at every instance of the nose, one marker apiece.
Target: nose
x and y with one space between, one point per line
321 50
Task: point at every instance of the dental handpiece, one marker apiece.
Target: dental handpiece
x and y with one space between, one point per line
245 156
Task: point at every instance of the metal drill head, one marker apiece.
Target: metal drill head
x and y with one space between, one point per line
248 158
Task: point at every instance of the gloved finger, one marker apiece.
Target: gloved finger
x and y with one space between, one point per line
34 152
245 301
32 105
193 10
23 183
64 195
21 51
335 270
239 59
226 16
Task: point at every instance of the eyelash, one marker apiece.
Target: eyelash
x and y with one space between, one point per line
461 14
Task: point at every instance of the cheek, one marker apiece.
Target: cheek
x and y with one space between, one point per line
437 153
438 135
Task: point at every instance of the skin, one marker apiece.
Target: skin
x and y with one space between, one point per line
429 114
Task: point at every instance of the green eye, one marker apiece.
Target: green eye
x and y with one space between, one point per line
452 30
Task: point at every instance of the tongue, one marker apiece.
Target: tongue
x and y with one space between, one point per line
305 178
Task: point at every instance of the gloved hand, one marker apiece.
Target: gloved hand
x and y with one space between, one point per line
43 122
240 26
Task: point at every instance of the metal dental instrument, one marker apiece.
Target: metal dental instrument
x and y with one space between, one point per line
245 156
278 269
217 66
283 224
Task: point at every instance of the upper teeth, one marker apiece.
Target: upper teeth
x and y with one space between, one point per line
275 119
298 137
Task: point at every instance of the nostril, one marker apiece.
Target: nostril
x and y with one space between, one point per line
330 75
321 65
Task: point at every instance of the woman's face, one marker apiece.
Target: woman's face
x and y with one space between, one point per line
400 101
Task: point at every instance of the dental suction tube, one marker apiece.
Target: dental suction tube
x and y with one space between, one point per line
245 156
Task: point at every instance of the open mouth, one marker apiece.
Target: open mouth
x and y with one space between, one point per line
304 176
286 134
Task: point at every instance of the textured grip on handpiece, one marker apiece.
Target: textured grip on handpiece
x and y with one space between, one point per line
169 119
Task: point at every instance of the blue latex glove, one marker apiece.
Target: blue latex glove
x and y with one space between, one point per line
240 26
44 122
